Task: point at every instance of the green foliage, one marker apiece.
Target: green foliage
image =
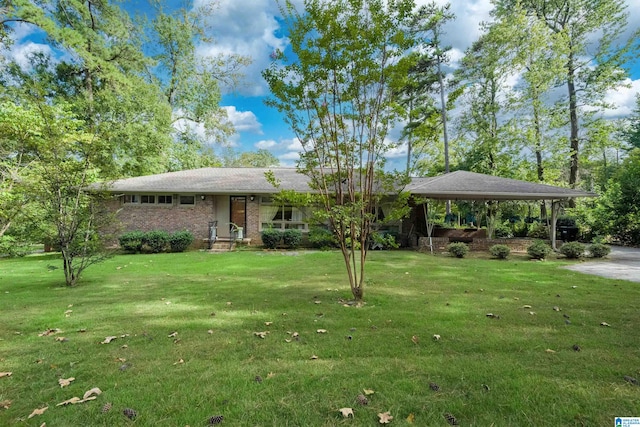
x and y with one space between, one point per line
321 238
598 250
458 249
271 238
500 251
180 241
385 240
503 231
520 229
292 238
156 241
539 250
572 250
12 247
538 230
335 95
132 241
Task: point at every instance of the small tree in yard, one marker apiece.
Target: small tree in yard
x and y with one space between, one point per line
62 168
335 95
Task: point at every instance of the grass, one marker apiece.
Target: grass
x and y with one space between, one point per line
142 299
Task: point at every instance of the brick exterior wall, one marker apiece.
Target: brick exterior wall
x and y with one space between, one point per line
195 218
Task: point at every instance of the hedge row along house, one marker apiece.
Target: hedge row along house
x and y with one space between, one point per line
223 204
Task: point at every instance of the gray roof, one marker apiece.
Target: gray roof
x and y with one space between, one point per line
213 180
459 185
463 185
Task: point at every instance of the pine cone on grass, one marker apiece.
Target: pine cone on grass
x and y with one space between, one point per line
216 419
106 407
129 413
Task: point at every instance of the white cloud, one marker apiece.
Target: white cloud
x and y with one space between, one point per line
265 144
291 155
21 52
243 121
624 98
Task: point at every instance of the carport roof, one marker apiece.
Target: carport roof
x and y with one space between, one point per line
463 185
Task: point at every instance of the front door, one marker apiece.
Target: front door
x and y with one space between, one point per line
238 211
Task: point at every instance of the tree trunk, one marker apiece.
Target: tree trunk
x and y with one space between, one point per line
573 117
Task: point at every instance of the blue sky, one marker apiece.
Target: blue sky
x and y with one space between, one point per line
253 28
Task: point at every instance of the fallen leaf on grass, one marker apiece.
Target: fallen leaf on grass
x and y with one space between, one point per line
368 391
261 335
268 323
526 306
91 392
121 359
124 347
346 412
71 401
533 313
65 381
270 375
172 334
415 339
107 340
550 351
5 404
436 337
314 357
604 324
385 417
5 374
179 362
321 331
411 418
68 313
210 331
49 332
39 411
61 339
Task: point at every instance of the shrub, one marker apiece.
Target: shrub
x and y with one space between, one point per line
572 250
538 230
503 231
599 250
292 238
384 240
271 238
156 240
500 251
520 229
132 241
539 250
321 238
180 241
458 249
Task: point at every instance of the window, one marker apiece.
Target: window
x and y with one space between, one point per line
147 200
131 198
282 216
165 200
187 200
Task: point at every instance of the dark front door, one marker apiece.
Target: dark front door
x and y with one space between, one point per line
239 211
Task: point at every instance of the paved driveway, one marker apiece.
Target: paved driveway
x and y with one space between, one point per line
622 263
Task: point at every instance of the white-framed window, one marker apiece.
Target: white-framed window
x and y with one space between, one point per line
149 199
165 199
282 216
187 200
131 198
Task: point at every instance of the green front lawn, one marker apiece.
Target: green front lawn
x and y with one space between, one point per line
515 370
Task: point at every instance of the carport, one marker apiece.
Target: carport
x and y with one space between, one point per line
471 186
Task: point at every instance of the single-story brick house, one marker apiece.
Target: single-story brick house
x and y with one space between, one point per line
214 202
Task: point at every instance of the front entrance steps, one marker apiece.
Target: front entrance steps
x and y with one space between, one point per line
224 244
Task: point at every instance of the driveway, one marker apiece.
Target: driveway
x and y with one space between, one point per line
622 263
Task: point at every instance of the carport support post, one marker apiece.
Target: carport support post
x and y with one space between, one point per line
555 208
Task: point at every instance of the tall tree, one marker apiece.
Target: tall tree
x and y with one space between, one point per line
594 55
336 97
191 83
